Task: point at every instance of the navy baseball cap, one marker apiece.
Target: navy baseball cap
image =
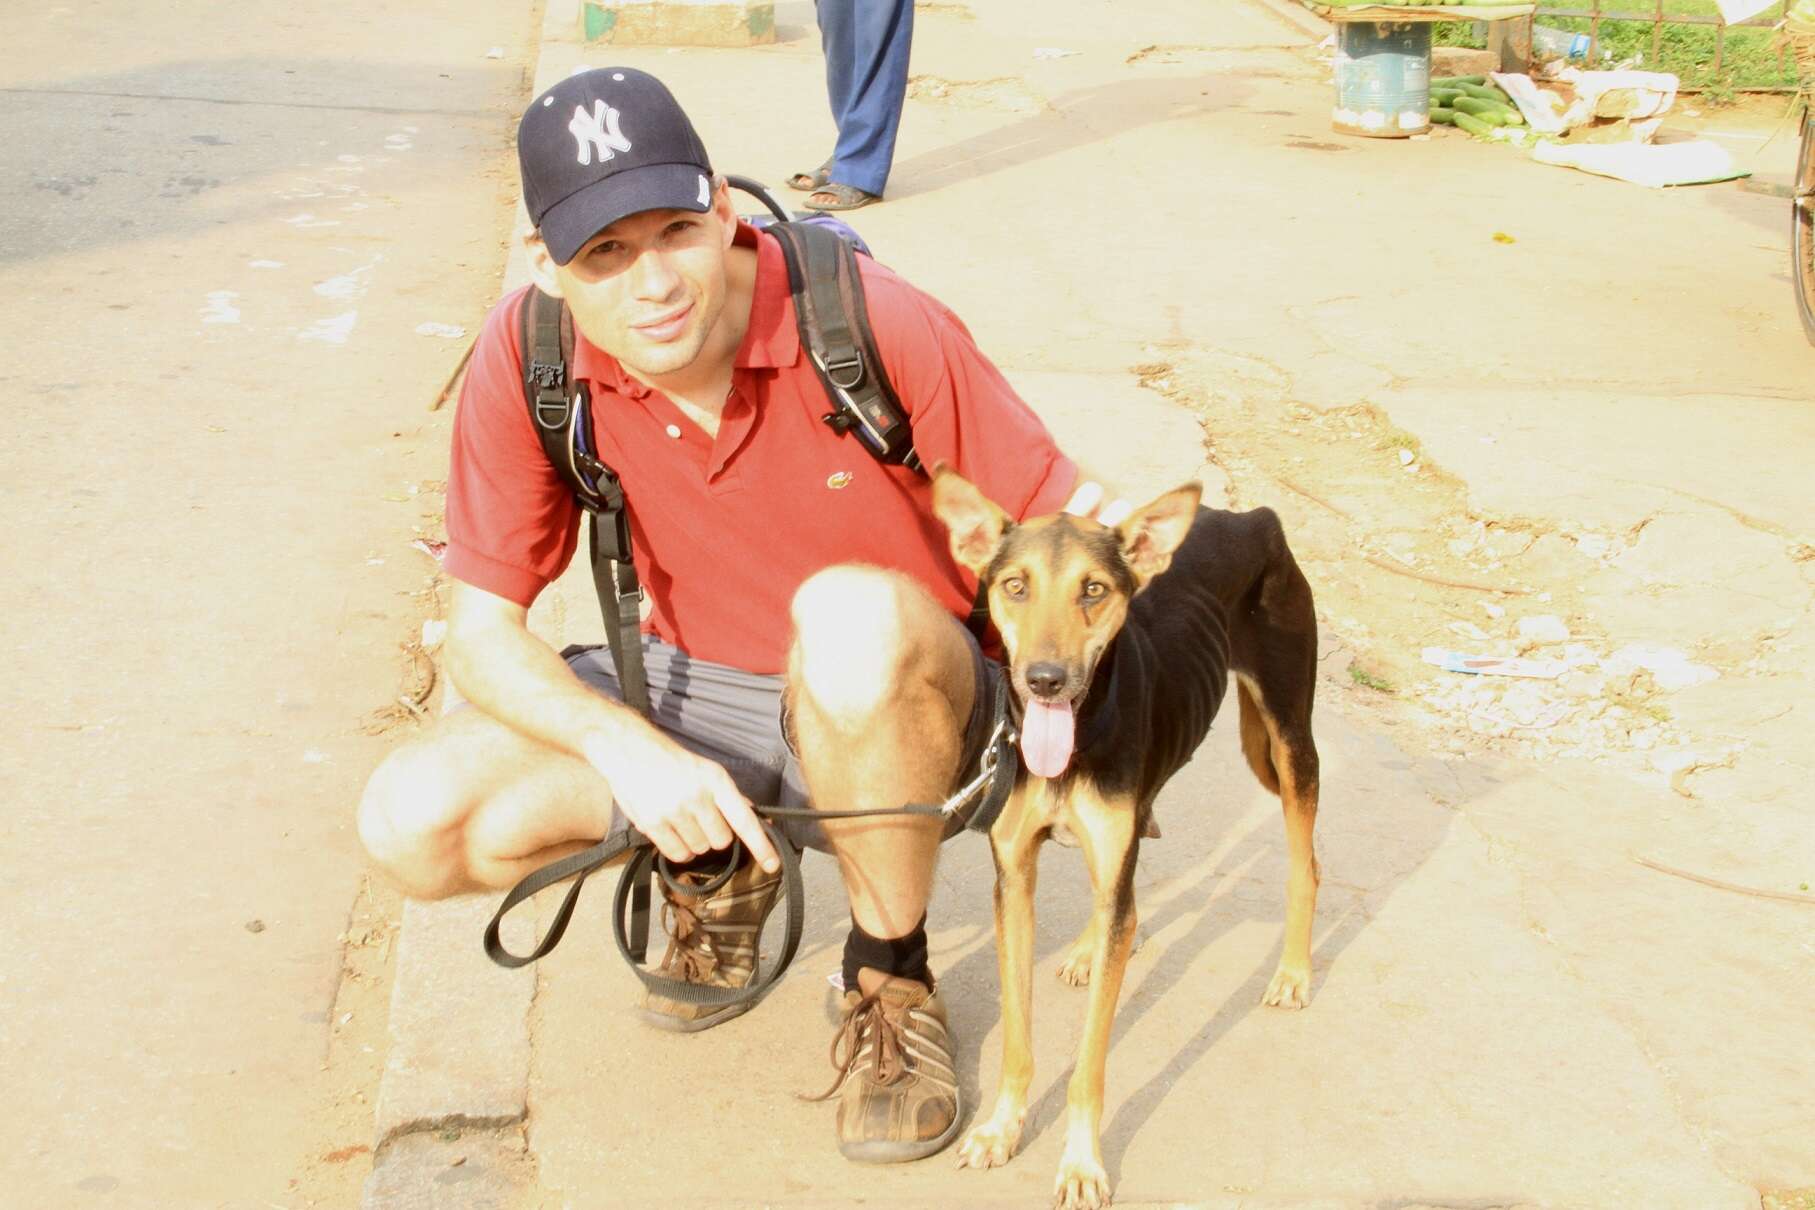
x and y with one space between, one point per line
602 144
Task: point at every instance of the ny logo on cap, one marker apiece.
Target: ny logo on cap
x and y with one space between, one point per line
597 132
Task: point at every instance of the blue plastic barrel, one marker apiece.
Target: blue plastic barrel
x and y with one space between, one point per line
1383 78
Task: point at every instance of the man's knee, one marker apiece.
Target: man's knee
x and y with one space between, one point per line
411 821
856 636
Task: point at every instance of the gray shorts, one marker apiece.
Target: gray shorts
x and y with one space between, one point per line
738 719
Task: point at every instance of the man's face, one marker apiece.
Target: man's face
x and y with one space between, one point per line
649 288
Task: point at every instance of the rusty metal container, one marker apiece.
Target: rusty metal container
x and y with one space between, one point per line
1383 79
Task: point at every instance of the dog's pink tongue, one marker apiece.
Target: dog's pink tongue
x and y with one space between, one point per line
1046 736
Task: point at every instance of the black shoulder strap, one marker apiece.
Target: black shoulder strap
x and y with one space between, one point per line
834 324
835 331
562 419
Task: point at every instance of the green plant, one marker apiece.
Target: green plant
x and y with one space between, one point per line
1749 58
1367 680
1399 439
1459 33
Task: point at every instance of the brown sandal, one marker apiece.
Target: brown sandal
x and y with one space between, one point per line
806 182
844 197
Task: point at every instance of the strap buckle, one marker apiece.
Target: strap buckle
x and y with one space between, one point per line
839 372
1001 738
552 408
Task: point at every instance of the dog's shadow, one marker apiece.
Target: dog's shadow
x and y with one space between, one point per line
1221 865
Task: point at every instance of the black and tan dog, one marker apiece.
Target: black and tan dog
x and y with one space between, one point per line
1120 644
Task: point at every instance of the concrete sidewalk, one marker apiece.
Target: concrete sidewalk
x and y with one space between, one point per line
1508 1010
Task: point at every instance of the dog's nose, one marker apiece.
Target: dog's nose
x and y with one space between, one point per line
1046 679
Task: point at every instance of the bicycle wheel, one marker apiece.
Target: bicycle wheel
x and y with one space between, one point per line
1802 229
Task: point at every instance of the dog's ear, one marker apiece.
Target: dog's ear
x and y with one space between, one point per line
975 522
1151 533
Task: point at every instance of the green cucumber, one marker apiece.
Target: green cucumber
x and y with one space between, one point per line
1442 116
1486 94
1457 81
1443 96
1486 111
1474 125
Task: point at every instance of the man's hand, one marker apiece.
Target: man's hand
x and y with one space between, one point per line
1088 501
685 804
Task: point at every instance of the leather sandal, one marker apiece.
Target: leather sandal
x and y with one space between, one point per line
844 197
807 182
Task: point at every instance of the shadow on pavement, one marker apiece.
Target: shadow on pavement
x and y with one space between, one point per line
1073 119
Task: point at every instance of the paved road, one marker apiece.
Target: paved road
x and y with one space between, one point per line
219 225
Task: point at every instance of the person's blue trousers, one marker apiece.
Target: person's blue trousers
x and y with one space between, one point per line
866 44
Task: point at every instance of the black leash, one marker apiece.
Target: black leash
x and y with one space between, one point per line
630 906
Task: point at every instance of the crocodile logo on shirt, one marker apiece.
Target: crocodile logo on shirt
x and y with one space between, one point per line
839 479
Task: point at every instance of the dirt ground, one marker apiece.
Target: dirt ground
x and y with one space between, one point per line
1403 562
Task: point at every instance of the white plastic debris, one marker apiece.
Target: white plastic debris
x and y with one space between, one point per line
1052 52
433 631
1697 162
496 52
1494 665
1545 628
221 308
448 331
1670 668
434 550
332 331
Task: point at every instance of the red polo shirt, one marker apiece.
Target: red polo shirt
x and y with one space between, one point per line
726 528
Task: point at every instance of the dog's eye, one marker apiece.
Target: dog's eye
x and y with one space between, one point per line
1094 590
1015 587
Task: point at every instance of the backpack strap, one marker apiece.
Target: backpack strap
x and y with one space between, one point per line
834 324
835 331
563 421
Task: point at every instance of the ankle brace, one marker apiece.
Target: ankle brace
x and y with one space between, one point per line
904 957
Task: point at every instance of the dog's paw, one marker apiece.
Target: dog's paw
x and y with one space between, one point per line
1080 957
989 1145
1290 988
1082 1185
1075 970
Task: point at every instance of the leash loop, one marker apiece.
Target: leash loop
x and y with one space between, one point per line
997 770
578 866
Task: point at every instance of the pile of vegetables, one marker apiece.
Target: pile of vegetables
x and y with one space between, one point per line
1471 104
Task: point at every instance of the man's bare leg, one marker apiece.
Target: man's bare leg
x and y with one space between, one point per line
881 688
881 684
473 806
